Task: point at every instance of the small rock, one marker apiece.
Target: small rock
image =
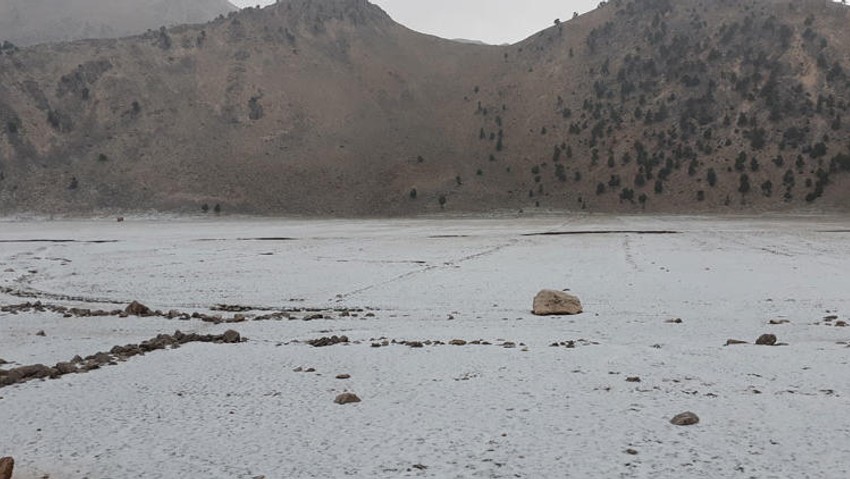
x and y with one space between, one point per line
766 340
7 467
674 321
778 321
343 376
415 344
632 379
66 368
685 419
41 333
138 309
831 317
457 342
230 336
841 324
508 345
631 451
346 398
730 342
552 302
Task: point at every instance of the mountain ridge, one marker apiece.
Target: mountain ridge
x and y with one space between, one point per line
331 108
29 22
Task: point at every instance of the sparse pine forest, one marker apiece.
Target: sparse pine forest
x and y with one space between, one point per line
320 108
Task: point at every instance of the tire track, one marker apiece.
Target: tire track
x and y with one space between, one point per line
427 269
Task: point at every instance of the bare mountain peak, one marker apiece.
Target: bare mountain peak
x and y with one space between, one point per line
357 11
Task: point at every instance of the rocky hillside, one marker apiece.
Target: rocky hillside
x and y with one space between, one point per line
28 22
330 107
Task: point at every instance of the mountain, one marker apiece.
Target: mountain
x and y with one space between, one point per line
329 107
28 22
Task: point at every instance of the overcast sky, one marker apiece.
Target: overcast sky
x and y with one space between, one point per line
491 21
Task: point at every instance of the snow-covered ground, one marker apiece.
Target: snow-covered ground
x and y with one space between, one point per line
480 410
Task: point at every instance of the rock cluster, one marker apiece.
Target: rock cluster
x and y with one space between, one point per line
118 353
327 341
551 302
138 309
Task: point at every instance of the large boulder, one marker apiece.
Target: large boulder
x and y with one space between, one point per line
7 465
552 302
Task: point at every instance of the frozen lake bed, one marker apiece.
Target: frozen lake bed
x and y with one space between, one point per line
600 408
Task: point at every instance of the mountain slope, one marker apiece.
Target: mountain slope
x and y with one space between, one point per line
28 22
329 107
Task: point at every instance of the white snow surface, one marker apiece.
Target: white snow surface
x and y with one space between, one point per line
534 411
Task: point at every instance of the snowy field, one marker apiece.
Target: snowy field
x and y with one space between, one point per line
252 410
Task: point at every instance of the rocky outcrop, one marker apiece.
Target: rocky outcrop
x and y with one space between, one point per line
551 302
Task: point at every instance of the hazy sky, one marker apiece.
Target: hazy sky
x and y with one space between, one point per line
491 21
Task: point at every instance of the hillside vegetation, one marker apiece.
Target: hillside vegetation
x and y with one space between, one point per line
329 107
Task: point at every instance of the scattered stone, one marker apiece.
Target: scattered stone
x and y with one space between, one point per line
552 302
41 333
457 342
766 340
685 419
327 341
7 467
674 321
632 379
421 467
508 345
730 342
343 376
414 344
631 451
230 336
831 317
138 309
778 321
346 398
841 324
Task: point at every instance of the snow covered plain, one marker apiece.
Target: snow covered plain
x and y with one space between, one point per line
479 410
